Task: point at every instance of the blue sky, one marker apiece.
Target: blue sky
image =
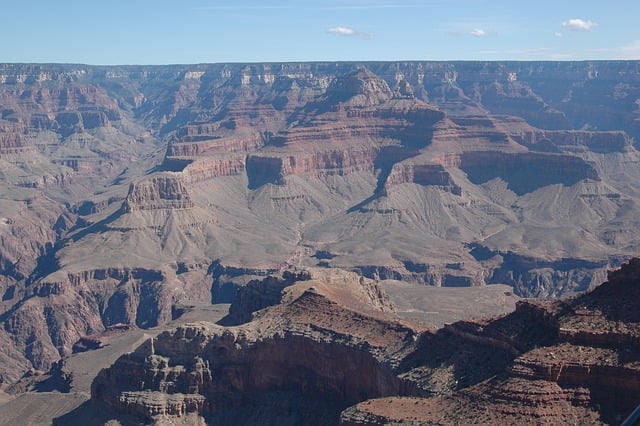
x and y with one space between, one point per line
197 31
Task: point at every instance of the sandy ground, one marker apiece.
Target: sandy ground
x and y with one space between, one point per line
437 306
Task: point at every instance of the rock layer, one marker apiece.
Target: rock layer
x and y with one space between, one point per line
574 361
450 174
333 337
316 343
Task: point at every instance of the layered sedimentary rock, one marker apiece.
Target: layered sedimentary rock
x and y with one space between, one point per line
161 192
422 174
450 174
574 361
334 336
53 314
329 328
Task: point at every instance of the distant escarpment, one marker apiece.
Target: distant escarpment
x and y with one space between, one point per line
423 174
60 118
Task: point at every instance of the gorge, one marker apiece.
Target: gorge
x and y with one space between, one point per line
130 192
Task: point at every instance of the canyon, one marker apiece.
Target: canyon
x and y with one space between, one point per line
129 192
332 348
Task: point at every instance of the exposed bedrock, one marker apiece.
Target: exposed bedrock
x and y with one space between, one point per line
49 316
213 370
209 168
332 336
447 275
12 142
264 170
450 145
166 191
215 145
600 142
320 341
358 88
63 108
529 276
515 98
29 230
533 277
227 280
572 361
259 294
71 122
422 174
271 169
526 172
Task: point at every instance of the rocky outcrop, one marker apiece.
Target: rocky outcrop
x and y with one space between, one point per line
262 170
188 148
359 88
258 294
158 192
557 375
12 142
422 174
515 403
28 232
223 372
210 168
525 172
49 316
439 275
516 368
532 277
326 340
338 123
576 141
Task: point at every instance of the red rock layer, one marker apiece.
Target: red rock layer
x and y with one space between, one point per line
589 375
319 341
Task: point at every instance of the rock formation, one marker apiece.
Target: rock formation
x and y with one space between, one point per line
334 338
574 361
130 189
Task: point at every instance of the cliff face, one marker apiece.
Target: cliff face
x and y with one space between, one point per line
161 192
50 316
572 360
449 174
61 117
316 343
332 337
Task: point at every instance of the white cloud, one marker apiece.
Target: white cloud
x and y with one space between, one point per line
348 32
344 31
559 34
578 24
478 32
